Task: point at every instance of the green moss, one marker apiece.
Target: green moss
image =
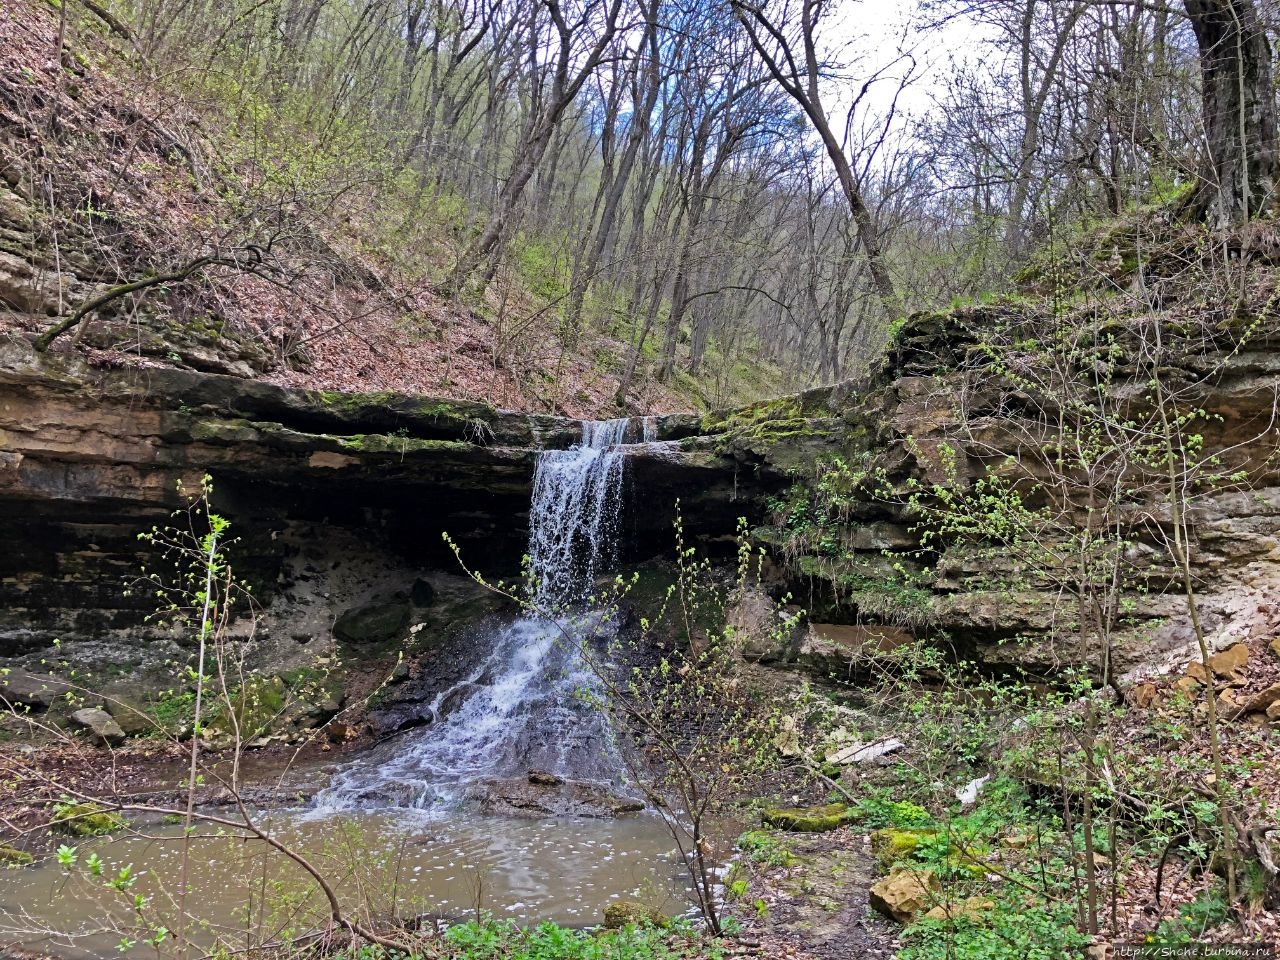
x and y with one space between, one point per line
85 819
15 857
631 913
808 819
765 847
254 709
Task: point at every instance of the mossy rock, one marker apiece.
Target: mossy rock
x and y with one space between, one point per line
808 819
631 913
891 844
86 819
373 623
15 857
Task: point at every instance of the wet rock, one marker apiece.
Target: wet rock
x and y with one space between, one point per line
422 593
99 723
15 857
375 622
808 819
631 913
904 893
569 798
35 690
86 819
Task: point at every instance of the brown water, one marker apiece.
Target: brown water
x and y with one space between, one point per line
382 862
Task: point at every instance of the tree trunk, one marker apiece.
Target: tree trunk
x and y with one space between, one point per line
1239 110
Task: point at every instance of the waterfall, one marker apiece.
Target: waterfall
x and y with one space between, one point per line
527 705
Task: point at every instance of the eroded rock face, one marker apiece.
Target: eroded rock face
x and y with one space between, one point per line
336 501
935 413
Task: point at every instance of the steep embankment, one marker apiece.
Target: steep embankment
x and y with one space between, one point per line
109 177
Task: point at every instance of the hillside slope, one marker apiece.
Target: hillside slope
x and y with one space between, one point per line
108 176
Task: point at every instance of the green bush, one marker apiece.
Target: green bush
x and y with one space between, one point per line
1011 932
482 940
764 848
881 811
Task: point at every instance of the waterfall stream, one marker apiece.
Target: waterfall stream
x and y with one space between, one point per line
394 828
528 703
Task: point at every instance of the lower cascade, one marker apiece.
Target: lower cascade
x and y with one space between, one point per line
530 704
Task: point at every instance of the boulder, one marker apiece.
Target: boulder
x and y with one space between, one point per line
904 893
130 717
1261 702
374 622
1230 661
99 723
542 778
1275 646
808 819
35 690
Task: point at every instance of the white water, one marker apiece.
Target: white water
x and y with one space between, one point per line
532 703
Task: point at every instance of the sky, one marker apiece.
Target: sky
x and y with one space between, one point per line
870 33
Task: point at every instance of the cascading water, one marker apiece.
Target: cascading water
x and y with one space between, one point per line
523 707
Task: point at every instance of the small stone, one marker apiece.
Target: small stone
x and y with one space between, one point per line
1273 711
1195 670
904 893
100 723
1230 661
